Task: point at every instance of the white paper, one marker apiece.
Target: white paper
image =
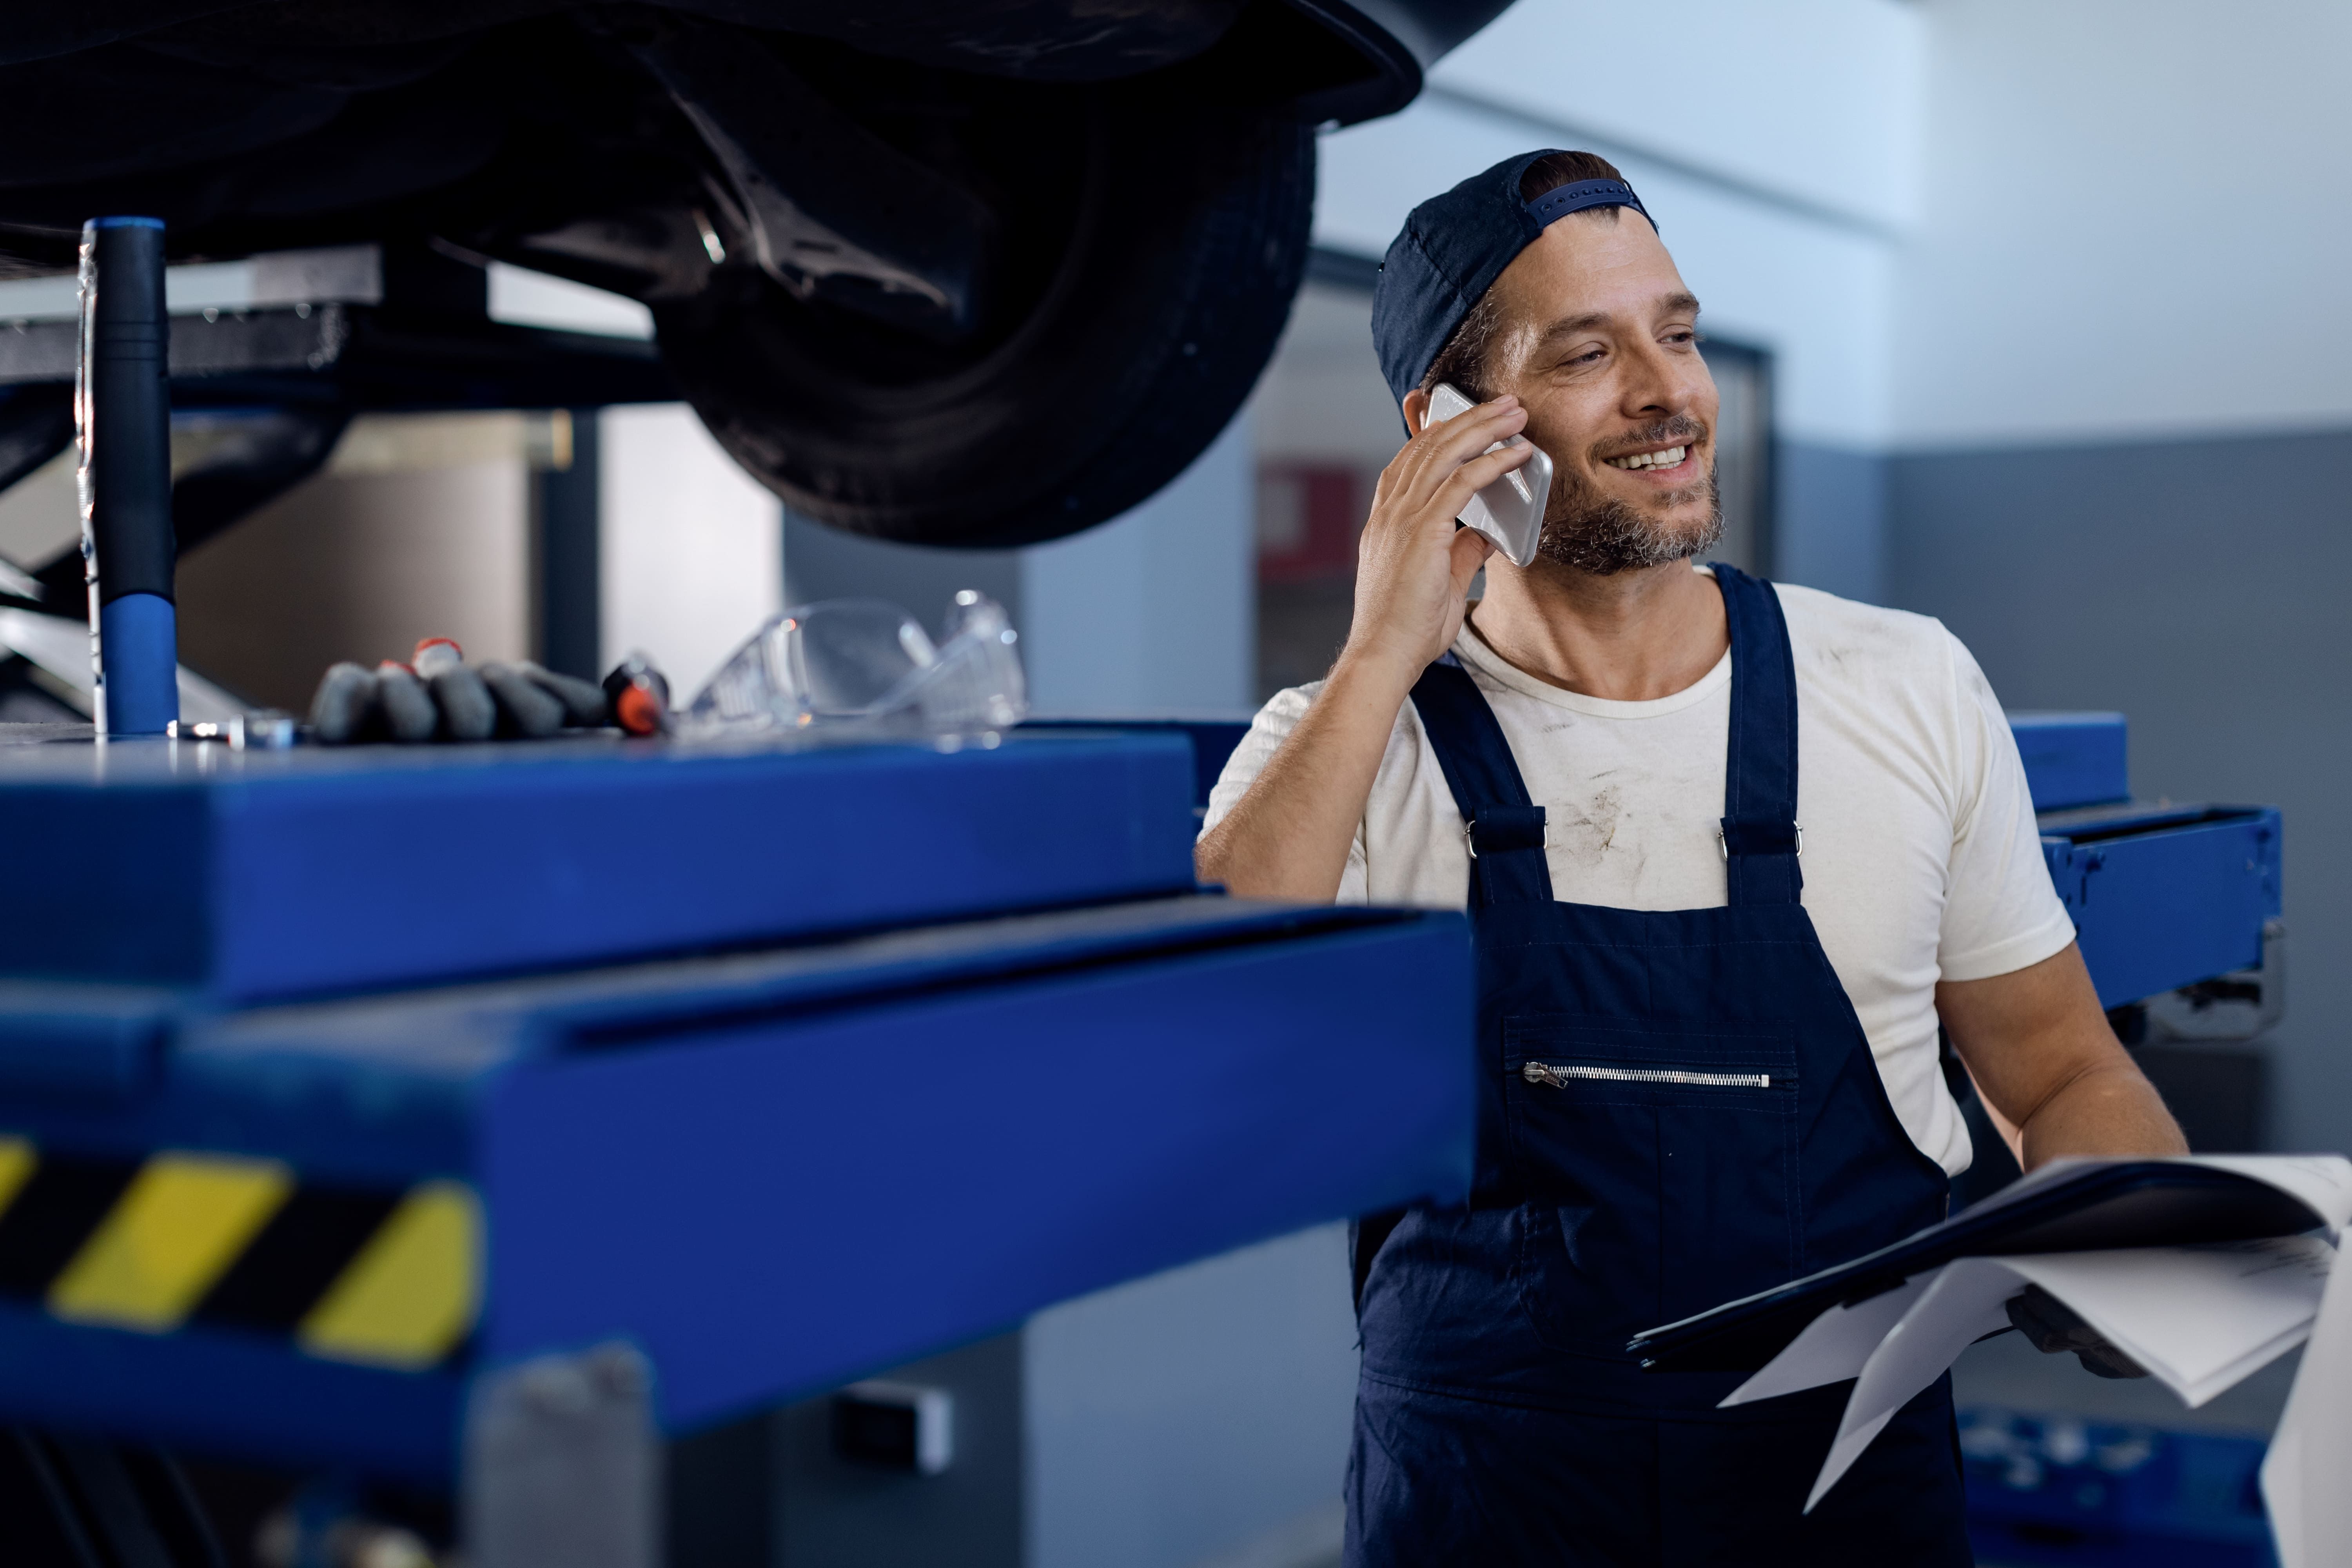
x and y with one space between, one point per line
1833 1346
1961 1305
2305 1474
2199 1319
2322 1181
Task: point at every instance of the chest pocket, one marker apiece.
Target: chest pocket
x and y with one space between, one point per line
1658 1167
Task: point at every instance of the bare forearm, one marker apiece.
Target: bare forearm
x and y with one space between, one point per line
2050 1071
1289 837
2110 1109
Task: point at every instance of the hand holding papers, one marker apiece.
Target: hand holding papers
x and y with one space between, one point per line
2199 1316
2067 1205
2199 1319
2053 1328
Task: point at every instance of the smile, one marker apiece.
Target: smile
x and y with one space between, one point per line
1665 459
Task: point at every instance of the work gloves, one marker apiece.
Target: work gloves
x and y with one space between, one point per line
439 697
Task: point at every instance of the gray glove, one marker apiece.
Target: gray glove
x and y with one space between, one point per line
441 697
2054 1329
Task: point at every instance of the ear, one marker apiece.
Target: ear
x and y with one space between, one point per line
1416 410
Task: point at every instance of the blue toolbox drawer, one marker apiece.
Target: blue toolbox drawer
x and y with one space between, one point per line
296 1232
257 875
2163 897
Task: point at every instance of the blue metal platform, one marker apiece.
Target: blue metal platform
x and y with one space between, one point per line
253 876
637 1085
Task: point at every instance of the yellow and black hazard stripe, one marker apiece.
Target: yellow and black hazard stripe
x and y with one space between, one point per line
179 1238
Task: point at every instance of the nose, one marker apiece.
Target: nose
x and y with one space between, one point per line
1660 386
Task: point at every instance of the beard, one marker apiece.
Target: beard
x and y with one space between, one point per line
1589 532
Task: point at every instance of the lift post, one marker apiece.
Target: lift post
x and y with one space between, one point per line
123 420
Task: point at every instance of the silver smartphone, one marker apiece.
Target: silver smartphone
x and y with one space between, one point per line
1510 511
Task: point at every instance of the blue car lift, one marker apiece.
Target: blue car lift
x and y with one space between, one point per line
340 1090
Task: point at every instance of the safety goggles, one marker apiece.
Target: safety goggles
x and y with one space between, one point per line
865 666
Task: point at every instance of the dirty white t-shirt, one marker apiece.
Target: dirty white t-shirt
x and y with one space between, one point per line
1921 861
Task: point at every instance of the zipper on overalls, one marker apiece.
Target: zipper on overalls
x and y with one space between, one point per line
1561 1075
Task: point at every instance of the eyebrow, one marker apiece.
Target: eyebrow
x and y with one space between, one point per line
1568 326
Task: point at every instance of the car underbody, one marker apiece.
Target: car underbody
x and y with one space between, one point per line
976 274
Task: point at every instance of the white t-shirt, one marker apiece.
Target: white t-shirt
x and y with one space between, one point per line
1921 861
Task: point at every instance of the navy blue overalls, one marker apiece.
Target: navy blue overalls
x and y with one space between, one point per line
1676 1109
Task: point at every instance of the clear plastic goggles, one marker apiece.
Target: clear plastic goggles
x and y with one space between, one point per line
865 666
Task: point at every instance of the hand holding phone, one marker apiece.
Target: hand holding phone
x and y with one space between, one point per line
1510 511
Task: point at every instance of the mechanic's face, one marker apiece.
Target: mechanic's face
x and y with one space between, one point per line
1601 347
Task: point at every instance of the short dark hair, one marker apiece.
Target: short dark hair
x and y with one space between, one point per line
1463 360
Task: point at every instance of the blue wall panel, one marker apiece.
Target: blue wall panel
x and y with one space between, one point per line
2198 587
1830 520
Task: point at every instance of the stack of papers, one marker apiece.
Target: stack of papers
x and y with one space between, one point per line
2067 1205
2200 1315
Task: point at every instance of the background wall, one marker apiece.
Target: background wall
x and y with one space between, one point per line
2134 227
360 563
2122 425
1152 611
691 547
1149 614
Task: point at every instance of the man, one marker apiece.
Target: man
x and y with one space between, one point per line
1730 852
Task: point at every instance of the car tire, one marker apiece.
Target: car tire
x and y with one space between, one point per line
1160 282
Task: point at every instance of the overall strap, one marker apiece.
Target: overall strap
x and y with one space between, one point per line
1761 840
1506 830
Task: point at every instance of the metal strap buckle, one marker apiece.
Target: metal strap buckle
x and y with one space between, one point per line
1470 839
1723 849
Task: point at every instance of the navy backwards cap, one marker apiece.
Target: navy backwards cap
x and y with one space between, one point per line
1452 249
